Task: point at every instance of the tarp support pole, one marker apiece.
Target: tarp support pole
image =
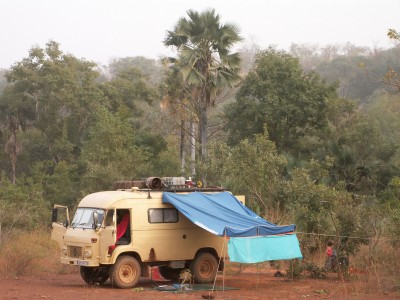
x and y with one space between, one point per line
222 254
223 271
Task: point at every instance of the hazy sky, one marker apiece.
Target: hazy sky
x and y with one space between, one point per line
100 30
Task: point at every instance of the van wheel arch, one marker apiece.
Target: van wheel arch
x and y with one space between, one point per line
214 252
144 267
209 250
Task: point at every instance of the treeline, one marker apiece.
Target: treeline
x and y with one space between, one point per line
69 128
309 138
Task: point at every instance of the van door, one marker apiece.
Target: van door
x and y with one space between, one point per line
60 222
107 236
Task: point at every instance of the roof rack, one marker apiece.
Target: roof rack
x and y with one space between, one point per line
170 184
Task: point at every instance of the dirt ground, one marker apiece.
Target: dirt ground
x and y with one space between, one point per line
250 283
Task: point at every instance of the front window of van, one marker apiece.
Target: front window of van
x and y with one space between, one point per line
84 217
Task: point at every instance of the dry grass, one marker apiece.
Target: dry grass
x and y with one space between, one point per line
31 254
378 268
370 271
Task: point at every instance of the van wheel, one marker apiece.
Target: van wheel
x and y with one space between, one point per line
93 275
126 272
204 268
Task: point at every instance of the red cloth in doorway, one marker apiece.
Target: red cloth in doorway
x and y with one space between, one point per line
121 227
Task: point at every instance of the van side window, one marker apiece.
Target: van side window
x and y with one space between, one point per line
162 215
109 218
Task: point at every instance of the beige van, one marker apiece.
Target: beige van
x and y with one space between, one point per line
119 234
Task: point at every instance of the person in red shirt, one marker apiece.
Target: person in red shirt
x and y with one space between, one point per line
330 263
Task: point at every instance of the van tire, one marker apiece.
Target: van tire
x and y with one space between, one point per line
204 268
93 275
125 273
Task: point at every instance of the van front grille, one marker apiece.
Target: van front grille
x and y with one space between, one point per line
75 251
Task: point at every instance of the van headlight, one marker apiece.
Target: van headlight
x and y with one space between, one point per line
64 251
87 254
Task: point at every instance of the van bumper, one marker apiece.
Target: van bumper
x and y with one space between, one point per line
80 262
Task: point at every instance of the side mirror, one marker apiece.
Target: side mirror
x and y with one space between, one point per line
95 220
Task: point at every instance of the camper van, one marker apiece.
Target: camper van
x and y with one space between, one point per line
121 234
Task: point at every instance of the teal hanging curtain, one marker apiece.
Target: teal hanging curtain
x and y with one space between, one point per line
263 248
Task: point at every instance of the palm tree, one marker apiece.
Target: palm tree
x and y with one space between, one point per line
205 62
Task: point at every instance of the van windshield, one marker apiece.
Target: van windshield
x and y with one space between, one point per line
84 217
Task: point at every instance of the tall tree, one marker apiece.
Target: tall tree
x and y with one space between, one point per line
280 94
205 61
16 114
13 146
176 99
134 99
54 93
110 152
127 90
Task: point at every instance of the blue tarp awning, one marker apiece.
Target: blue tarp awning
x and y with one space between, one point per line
223 214
252 239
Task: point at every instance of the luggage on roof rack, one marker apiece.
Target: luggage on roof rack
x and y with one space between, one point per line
164 183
